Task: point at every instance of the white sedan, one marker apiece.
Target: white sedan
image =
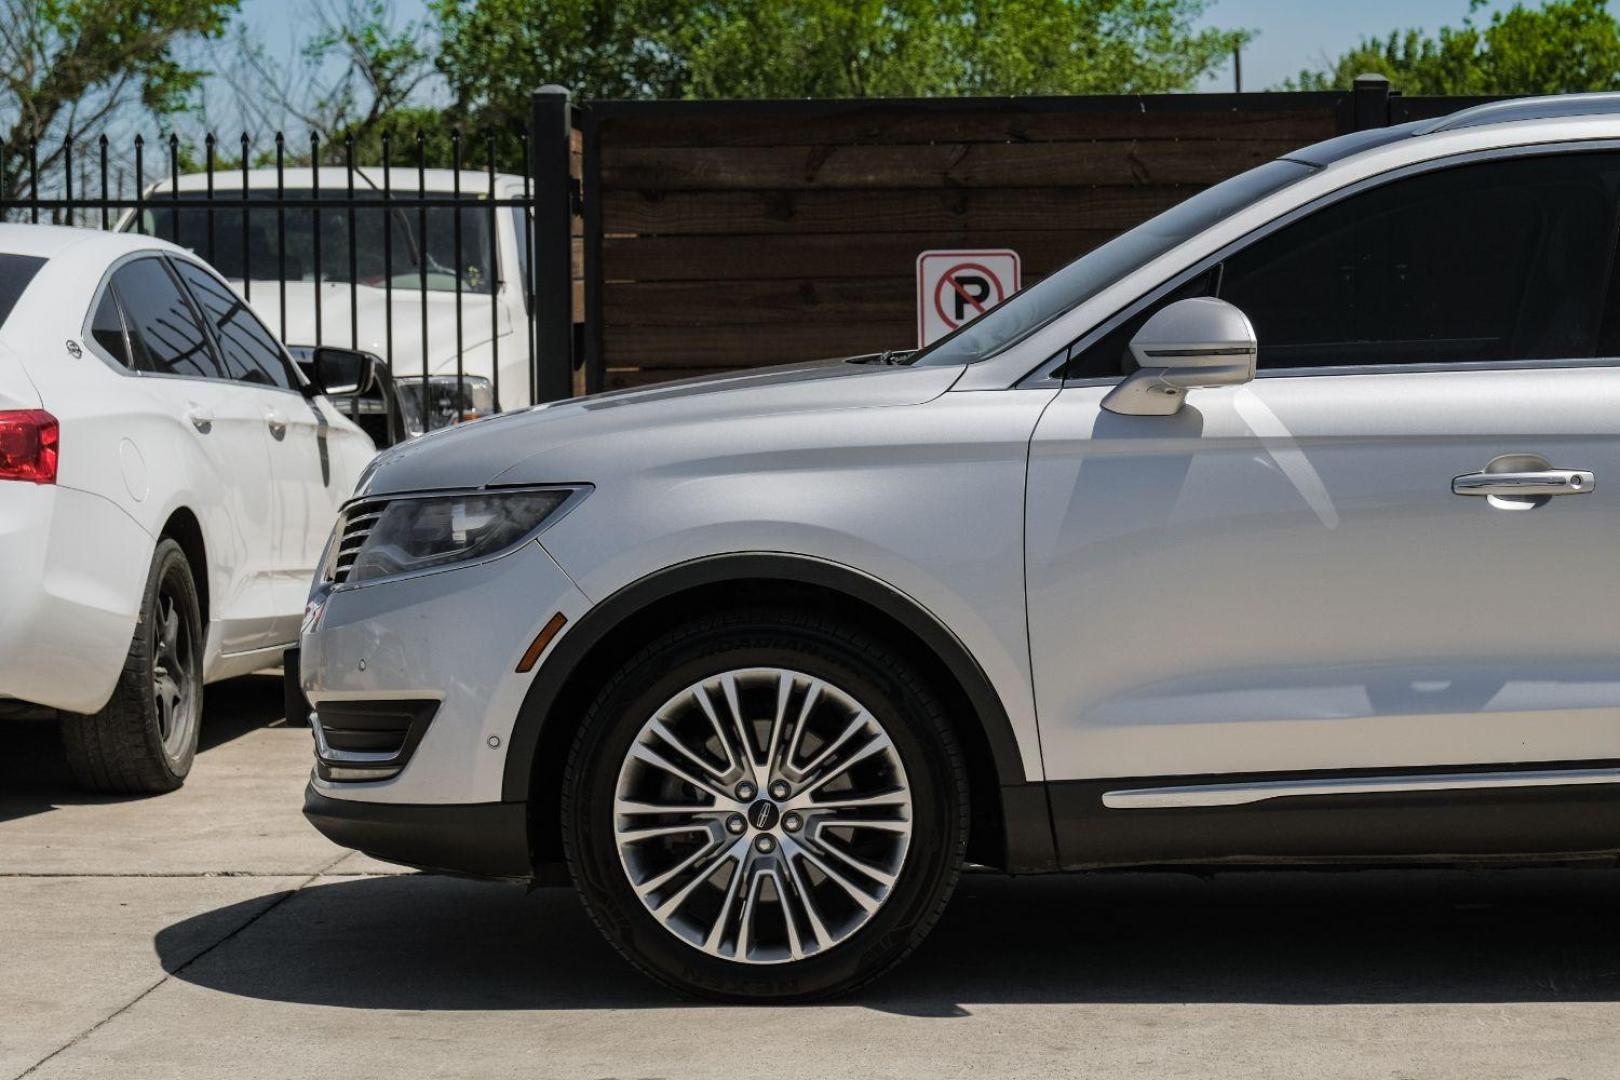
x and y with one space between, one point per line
167 480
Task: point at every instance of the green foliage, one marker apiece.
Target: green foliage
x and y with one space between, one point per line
928 48
1565 46
494 52
67 65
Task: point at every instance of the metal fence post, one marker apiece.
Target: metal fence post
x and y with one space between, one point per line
1371 94
551 126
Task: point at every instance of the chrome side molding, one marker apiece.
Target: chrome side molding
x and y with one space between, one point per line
1203 795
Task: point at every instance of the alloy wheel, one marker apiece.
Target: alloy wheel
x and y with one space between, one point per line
174 676
762 815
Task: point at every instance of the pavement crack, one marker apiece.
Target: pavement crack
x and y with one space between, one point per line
168 975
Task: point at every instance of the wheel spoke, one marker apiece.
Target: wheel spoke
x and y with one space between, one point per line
812 695
808 905
670 739
703 873
784 690
631 806
865 899
877 745
171 630
658 761
717 932
850 731
825 849
739 724
700 694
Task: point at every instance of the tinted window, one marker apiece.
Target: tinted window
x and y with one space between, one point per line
251 353
421 242
107 328
164 333
1496 261
16 271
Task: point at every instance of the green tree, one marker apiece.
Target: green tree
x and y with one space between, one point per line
1562 47
67 66
493 52
925 48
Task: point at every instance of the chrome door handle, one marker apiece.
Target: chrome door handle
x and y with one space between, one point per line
201 419
1525 485
277 424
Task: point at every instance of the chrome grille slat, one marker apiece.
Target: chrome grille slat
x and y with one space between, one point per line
353 529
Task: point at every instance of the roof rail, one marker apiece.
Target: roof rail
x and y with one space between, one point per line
1531 108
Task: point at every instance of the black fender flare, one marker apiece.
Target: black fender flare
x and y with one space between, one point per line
601 619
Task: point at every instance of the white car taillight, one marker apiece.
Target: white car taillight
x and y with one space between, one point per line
29 440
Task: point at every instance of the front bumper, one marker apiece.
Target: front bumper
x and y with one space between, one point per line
485 839
454 637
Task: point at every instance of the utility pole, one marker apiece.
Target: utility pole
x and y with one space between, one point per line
1237 68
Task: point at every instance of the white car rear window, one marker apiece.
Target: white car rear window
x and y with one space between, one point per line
16 271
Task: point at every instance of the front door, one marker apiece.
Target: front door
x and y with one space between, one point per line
1279 586
231 496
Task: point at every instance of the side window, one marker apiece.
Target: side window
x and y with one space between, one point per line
1496 261
251 354
107 329
164 334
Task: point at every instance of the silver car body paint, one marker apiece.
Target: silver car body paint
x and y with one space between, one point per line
1200 586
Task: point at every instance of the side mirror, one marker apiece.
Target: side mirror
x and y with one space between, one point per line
1190 343
337 372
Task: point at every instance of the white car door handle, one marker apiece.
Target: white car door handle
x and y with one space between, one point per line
1541 482
201 419
277 424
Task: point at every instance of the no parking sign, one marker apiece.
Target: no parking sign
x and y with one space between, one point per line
954 287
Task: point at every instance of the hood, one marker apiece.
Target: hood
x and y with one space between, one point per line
559 442
371 306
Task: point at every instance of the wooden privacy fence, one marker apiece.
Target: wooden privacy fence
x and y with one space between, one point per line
719 235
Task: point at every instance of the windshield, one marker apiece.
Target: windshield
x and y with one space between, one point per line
187 225
1034 307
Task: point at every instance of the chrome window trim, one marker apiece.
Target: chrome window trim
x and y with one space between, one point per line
129 372
1041 372
1205 796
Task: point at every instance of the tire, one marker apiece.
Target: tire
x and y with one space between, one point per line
809 936
144 739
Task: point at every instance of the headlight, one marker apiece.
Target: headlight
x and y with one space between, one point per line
411 534
447 401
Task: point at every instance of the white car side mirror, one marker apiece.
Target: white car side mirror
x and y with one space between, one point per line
1190 343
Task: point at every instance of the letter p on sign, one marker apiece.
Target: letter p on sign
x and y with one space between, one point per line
955 287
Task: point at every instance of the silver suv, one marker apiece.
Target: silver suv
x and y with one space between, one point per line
1267 533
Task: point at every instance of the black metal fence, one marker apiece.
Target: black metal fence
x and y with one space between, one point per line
446 272
643 241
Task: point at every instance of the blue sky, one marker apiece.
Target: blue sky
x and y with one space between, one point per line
1292 33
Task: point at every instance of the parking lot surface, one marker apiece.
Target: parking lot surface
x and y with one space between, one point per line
211 933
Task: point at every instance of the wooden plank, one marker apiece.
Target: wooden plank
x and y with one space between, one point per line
877 124
980 210
823 257
974 165
749 346
721 303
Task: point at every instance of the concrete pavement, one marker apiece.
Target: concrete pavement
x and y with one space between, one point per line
211 933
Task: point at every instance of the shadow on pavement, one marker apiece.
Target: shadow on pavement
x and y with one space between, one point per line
422 942
34 775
